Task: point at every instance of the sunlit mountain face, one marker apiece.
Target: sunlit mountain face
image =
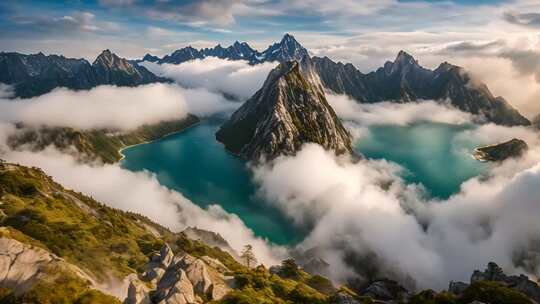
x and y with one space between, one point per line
269 151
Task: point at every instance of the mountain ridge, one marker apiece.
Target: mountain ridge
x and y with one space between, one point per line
37 74
401 80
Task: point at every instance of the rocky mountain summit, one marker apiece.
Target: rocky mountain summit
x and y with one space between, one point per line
287 112
499 152
285 50
404 80
36 74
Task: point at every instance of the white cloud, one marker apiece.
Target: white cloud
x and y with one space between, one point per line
235 78
142 193
391 113
363 208
112 107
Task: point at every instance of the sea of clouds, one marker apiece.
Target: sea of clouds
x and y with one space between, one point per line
361 213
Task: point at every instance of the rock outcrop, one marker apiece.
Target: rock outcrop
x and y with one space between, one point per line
287 112
181 279
21 265
495 273
499 152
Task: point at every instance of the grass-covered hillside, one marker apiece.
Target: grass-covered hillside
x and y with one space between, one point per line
103 145
105 242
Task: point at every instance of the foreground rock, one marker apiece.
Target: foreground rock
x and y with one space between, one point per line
499 152
288 111
180 279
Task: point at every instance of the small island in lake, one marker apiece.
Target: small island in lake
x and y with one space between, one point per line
499 152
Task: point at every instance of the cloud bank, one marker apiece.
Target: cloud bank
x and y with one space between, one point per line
112 107
141 193
369 224
391 113
237 78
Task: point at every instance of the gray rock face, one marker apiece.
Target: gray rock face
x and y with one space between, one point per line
287 112
36 74
404 80
20 265
386 290
181 279
137 292
344 298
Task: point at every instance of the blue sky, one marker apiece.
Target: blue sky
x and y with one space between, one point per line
497 40
187 21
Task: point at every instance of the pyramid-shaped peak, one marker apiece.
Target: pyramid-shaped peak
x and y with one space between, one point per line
404 57
288 38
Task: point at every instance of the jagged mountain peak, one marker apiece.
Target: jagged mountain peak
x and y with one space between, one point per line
288 111
108 58
403 56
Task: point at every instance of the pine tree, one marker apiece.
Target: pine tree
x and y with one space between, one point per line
248 256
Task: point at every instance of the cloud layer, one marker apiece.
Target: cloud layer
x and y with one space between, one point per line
236 79
368 223
112 107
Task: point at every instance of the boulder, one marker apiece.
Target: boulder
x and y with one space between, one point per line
22 265
386 290
457 287
137 292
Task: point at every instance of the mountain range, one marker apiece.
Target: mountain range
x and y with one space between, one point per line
36 74
287 49
403 80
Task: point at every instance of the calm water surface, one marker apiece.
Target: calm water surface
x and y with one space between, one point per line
195 164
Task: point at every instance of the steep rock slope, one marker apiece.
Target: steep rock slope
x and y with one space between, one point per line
404 80
288 111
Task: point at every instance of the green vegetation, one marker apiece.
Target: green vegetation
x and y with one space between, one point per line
493 293
100 240
61 286
483 291
258 285
98 144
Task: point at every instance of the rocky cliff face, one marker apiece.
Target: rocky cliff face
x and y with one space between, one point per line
288 111
404 80
36 74
499 152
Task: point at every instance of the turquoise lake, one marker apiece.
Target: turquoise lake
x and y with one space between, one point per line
195 164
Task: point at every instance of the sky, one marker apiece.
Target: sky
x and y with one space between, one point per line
498 40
